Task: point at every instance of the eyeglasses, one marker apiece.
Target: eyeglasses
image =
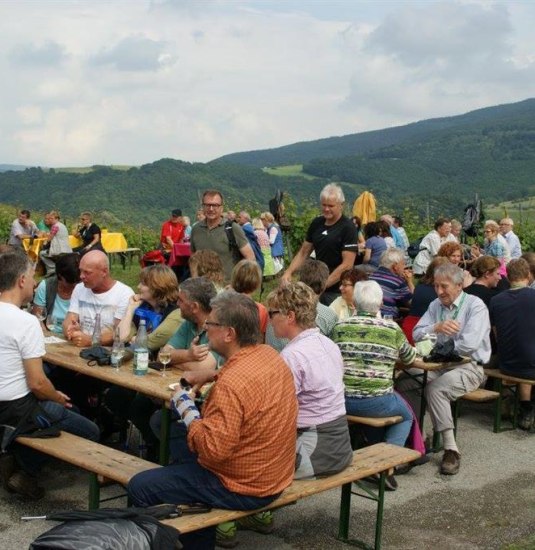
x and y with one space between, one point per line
209 205
347 284
213 324
273 312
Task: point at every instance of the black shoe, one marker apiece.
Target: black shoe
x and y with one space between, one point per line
390 482
7 468
526 418
24 485
451 462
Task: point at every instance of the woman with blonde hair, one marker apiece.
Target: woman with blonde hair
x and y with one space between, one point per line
246 279
207 263
265 247
275 239
493 245
155 302
323 445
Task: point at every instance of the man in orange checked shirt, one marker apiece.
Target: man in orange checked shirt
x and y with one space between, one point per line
237 459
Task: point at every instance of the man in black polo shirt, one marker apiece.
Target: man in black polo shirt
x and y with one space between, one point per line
512 316
333 237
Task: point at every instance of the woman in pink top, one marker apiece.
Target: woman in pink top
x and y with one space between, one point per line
323 443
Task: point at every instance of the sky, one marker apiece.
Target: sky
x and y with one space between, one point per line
129 82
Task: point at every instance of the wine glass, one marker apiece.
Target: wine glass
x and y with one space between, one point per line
117 354
51 323
164 356
41 314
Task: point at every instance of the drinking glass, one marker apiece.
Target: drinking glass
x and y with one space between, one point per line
164 356
41 315
117 354
51 323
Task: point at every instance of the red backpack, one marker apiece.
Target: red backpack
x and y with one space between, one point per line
152 257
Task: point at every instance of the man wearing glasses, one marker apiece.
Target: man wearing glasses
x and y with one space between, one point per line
213 233
240 453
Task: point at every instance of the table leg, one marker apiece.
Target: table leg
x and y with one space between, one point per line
164 435
423 402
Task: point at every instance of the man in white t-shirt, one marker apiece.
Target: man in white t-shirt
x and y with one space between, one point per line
98 293
24 388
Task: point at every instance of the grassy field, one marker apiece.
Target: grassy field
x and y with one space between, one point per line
288 171
87 169
520 210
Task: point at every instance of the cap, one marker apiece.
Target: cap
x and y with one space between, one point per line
176 212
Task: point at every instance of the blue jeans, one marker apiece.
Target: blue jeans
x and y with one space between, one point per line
186 484
32 461
385 405
178 444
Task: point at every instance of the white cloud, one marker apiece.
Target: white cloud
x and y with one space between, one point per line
131 82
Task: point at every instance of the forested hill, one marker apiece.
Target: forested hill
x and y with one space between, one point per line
511 117
146 195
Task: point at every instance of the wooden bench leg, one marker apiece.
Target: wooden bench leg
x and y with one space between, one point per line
345 512
94 492
498 406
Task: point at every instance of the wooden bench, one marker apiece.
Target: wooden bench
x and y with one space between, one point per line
100 461
374 422
358 438
506 382
477 396
380 459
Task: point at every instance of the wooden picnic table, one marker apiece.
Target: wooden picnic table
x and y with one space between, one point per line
112 242
421 378
153 384
33 246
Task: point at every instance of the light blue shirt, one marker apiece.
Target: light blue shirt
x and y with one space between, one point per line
60 309
514 244
473 339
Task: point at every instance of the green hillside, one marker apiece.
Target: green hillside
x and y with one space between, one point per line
146 194
516 115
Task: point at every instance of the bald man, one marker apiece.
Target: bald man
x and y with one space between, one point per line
96 293
506 229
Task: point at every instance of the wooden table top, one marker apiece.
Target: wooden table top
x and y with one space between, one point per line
153 384
419 363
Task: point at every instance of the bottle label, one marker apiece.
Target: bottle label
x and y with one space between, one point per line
141 362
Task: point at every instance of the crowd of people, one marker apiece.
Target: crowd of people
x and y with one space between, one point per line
272 382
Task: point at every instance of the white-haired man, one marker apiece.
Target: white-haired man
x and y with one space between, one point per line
506 229
395 280
463 319
333 238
